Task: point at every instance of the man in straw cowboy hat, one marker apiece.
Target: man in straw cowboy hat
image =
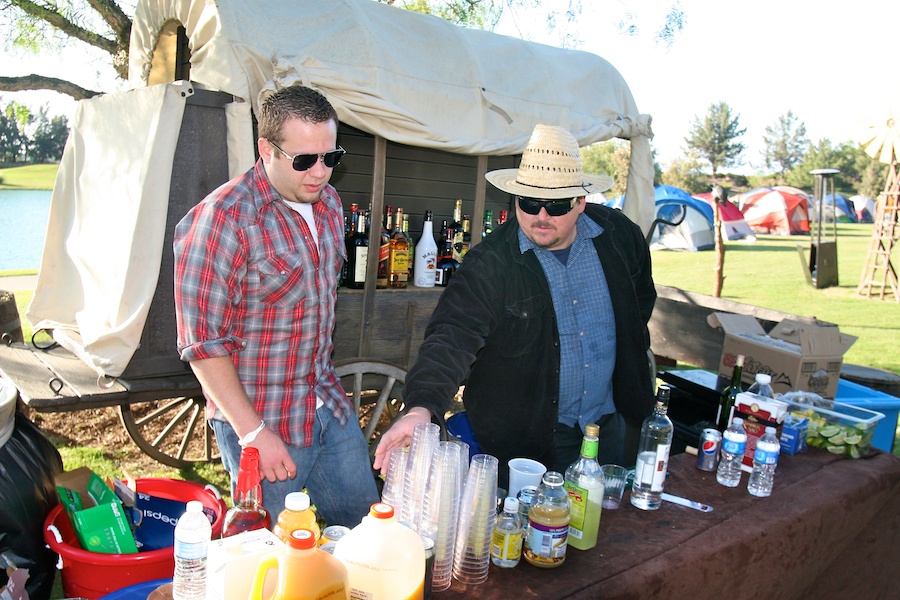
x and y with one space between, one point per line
545 322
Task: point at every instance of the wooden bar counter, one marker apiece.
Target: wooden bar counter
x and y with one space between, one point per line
830 529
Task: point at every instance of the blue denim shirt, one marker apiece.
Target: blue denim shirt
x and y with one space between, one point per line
586 323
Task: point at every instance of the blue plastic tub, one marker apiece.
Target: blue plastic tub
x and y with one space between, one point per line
849 392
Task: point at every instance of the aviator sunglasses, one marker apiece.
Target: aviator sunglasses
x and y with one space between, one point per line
303 162
554 208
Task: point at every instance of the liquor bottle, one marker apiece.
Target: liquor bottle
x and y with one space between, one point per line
412 248
585 484
398 254
354 216
425 255
653 455
457 232
384 250
488 226
548 523
762 386
247 514
357 255
502 218
443 237
506 543
734 442
447 265
728 395
192 536
467 236
765 459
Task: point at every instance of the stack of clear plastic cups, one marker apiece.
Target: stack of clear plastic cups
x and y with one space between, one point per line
472 551
440 514
464 457
418 465
392 493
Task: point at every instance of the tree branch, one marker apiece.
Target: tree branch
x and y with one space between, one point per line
117 19
39 82
60 22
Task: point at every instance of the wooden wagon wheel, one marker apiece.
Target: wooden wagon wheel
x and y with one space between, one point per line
375 387
173 431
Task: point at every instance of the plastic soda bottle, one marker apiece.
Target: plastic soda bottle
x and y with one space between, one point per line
506 546
304 572
762 386
765 460
585 484
297 514
734 442
192 536
548 523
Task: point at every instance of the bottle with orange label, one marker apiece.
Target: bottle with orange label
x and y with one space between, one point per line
297 514
304 572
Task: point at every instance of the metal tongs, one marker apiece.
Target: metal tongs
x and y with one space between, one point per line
685 502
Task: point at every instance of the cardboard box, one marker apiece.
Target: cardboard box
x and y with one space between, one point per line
758 413
100 521
232 564
799 356
793 434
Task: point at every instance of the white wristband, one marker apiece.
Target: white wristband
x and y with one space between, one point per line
248 439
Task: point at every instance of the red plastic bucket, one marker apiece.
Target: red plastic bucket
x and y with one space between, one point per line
92 575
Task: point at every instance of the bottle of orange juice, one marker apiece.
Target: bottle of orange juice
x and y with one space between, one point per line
304 572
297 514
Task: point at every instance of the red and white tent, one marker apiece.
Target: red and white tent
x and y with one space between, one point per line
734 226
768 210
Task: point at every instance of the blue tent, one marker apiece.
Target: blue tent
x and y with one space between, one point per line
694 217
838 207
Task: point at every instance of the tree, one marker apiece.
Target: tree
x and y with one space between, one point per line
12 134
608 158
785 142
715 138
825 155
49 138
686 174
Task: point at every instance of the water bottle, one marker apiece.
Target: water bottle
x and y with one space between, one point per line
765 459
506 546
734 441
192 535
653 455
762 386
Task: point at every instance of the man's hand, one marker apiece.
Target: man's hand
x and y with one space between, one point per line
275 463
399 435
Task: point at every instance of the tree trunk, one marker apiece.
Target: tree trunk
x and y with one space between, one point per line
719 269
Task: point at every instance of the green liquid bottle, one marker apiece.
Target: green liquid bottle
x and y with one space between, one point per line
585 484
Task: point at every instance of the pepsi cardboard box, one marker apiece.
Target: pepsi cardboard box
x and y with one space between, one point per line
799 356
155 519
758 412
100 521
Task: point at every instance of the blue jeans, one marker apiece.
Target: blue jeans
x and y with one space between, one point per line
335 470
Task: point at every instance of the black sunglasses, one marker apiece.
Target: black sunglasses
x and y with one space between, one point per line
303 162
554 208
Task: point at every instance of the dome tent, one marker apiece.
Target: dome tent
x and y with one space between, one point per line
693 230
734 226
767 210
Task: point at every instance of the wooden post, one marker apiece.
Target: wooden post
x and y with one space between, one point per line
10 324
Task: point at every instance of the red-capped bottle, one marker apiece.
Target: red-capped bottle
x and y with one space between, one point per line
247 513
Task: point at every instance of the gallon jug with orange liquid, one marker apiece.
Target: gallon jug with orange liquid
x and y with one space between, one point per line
297 514
304 572
385 559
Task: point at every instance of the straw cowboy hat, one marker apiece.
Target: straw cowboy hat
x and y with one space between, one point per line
550 169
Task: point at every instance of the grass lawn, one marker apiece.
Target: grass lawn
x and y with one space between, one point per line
28 177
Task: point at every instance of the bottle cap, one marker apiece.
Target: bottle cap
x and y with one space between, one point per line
380 510
194 506
764 378
738 420
302 539
592 430
510 505
296 501
770 429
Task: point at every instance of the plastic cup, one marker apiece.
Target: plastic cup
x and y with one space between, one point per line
615 485
393 482
524 472
424 440
472 551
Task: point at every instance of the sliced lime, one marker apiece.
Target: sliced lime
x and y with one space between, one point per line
836 449
838 439
853 439
829 430
854 452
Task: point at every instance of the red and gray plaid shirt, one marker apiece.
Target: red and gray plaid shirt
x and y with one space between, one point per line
250 283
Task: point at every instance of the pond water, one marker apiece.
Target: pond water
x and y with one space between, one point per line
23 226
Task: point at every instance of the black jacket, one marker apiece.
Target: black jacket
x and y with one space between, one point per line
494 329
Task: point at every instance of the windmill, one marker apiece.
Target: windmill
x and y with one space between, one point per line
879 276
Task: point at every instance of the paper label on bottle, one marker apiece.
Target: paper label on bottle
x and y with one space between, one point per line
547 542
359 268
506 545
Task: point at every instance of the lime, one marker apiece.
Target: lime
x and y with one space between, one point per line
838 439
854 452
853 439
829 430
836 449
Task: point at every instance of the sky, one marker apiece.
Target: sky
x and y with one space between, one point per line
833 64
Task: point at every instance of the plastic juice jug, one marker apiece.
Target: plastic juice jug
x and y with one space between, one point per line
385 559
304 572
297 514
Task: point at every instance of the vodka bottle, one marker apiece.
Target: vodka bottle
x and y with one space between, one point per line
734 441
506 546
762 386
653 455
192 535
425 255
729 394
765 459
248 513
585 484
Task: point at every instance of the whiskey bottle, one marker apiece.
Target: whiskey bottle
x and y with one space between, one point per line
398 254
